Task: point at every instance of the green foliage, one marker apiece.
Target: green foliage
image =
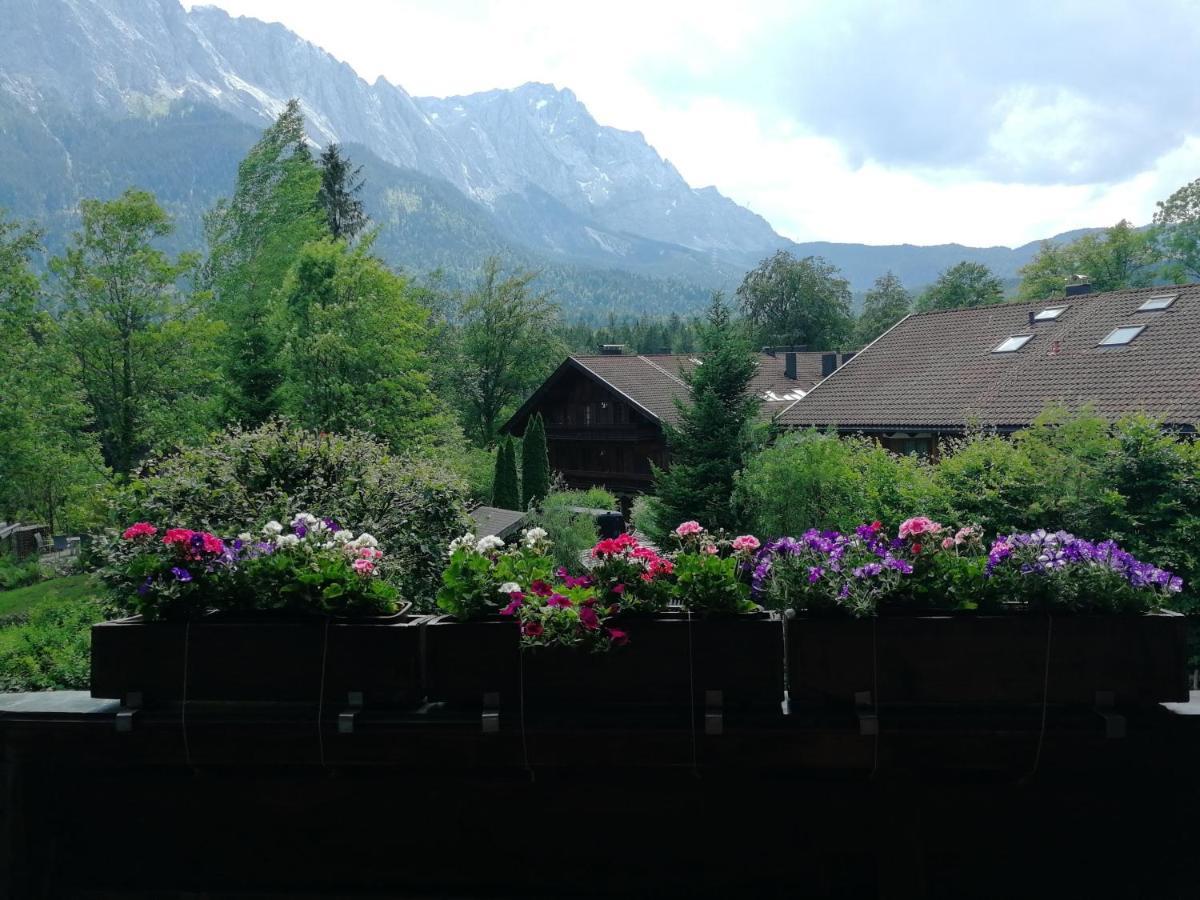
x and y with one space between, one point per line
535 462
708 445
502 348
962 286
648 517
16 573
884 305
51 649
797 301
1118 257
122 319
254 238
341 184
708 583
506 489
572 533
812 479
49 457
412 504
1178 230
477 570
355 349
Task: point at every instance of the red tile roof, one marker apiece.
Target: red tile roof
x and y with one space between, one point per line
938 371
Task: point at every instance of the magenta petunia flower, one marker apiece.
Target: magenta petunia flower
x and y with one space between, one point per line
588 617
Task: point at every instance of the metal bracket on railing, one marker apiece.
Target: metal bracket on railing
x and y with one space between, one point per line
1114 722
347 717
129 708
868 715
714 712
489 719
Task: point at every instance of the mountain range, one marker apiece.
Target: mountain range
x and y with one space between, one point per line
97 95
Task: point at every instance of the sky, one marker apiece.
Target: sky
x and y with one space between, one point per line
981 123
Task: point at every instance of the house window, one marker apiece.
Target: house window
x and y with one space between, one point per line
1012 344
1050 313
1119 337
1158 302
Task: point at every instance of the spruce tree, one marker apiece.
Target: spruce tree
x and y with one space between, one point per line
506 491
535 462
707 448
341 183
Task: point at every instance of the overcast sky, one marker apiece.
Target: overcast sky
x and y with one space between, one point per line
982 123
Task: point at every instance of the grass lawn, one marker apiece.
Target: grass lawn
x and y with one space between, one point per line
35 596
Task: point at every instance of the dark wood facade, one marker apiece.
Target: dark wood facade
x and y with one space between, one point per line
597 437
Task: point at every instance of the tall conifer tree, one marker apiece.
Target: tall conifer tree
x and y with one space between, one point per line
506 490
341 183
535 462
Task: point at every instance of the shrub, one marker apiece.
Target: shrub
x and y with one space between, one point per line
572 533
648 517
814 479
411 504
15 574
51 650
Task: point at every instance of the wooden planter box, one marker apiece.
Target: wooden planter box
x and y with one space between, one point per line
238 660
987 660
740 656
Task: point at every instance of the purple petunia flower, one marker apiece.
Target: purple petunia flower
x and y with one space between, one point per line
181 574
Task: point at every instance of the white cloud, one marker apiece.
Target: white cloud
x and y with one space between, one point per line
703 82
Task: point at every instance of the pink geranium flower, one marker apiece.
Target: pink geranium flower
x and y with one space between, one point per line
745 542
918 525
363 566
686 528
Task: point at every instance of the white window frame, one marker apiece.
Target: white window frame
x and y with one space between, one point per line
1108 341
1023 338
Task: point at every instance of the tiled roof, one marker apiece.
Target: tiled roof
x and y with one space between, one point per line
654 382
938 371
494 520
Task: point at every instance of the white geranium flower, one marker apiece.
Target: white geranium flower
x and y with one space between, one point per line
245 537
308 520
272 528
467 540
365 540
533 535
288 540
509 587
343 536
491 542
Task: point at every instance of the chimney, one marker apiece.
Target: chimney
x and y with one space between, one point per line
848 355
829 364
1031 319
768 351
789 365
1078 284
612 349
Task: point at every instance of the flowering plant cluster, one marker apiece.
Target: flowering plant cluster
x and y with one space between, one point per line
479 570
710 570
311 566
824 571
1057 571
634 576
567 613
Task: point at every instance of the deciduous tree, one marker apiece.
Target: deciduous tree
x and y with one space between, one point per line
962 286
1118 257
884 305
797 301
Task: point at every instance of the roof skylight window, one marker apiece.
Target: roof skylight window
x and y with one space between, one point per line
1158 302
1013 344
1119 337
1050 313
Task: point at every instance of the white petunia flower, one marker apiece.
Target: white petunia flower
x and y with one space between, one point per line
365 540
509 587
343 536
288 540
245 537
272 528
491 542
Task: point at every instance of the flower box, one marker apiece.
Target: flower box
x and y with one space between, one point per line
741 656
282 660
668 660
987 660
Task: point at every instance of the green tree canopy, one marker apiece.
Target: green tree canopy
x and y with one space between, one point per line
139 345
1178 221
707 447
885 304
797 301
355 348
1118 257
963 285
254 237
341 183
